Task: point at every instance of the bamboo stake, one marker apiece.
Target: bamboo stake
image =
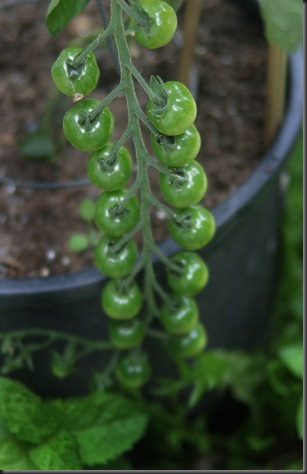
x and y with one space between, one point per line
190 27
275 92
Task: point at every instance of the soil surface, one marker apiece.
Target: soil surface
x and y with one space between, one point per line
36 224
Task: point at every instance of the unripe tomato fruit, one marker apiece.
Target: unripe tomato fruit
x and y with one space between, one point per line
113 223
115 264
88 134
162 24
180 317
178 114
186 187
193 227
126 334
119 302
109 175
191 343
177 150
193 276
133 370
71 80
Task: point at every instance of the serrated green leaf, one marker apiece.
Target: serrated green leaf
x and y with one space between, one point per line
60 12
58 453
14 455
23 413
292 358
105 425
283 21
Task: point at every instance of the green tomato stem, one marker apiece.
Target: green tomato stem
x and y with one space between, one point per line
80 58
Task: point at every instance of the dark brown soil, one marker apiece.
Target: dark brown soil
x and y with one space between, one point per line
35 225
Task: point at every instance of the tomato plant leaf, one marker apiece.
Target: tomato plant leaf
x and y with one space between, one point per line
292 358
23 412
60 12
283 21
14 455
60 452
105 425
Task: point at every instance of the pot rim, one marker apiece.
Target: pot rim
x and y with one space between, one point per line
223 213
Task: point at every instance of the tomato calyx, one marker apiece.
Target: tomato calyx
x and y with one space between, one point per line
178 178
160 95
89 120
74 69
185 221
107 164
167 141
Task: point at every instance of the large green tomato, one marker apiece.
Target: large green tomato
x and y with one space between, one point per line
73 80
85 132
106 174
193 275
177 150
186 187
112 222
161 26
179 112
193 227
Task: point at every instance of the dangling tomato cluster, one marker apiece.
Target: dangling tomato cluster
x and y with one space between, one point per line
88 126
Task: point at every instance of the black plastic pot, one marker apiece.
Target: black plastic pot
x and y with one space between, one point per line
243 259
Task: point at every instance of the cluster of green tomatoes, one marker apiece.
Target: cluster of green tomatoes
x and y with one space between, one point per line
175 143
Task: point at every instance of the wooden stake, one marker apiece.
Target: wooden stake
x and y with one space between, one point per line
190 28
275 92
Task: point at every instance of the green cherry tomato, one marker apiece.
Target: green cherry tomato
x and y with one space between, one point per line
178 114
192 276
73 80
193 227
120 302
106 173
85 132
113 220
181 316
177 150
186 187
161 26
126 334
191 343
133 370
115 264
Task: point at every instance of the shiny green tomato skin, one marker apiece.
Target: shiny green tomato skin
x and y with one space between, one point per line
126 334
115 265
163 27
198 230
181 318
180 193
180 112
116 225
177 150
133 370
194 276
119 304
109 176
191 343
99 131
75 81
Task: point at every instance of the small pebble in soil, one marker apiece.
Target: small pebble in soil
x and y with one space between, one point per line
161 215
10 188
45 271
65 260
50 254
